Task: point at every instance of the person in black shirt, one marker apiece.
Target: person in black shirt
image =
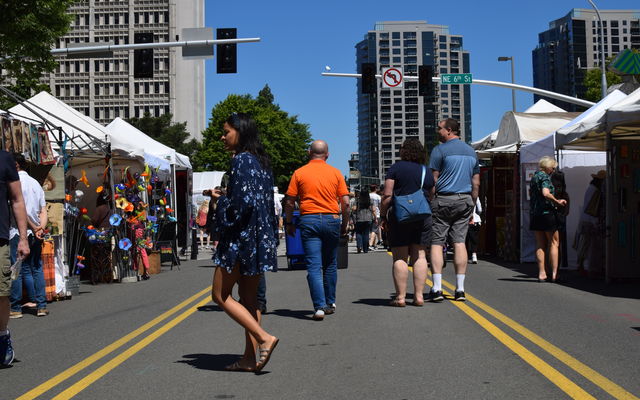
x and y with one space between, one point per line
10 189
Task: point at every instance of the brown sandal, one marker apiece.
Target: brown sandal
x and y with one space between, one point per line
265 355
397 303
236 367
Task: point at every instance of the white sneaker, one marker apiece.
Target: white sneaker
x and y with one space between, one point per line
474 258
319 315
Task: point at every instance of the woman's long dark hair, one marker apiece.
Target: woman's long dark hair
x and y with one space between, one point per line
249 137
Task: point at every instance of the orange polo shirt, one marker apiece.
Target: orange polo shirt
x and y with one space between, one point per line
319 187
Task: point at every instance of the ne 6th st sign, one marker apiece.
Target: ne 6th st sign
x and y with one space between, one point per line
455 79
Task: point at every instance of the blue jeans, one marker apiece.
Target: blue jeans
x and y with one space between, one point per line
31 275
363 230
320 237
262 291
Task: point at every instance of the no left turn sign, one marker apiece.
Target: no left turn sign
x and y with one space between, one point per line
392 78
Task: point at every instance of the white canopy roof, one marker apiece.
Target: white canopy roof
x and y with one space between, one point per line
591 120
83 132
129 140
546 146
541 106
206 180
521 128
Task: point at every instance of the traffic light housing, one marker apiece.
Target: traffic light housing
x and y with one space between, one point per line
143 58
227 60
368 76
425 83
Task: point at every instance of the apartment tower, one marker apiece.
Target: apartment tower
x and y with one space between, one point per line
105 88
389 116
570 47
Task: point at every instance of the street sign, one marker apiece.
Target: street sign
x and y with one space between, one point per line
391 78
455 79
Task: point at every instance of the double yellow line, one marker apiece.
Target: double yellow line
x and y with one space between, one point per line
552 374
100 372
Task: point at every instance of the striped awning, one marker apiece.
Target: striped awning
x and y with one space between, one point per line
627 62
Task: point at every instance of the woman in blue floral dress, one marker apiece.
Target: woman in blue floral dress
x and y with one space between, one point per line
248 237
543 221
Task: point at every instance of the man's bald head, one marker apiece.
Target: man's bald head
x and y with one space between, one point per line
319 149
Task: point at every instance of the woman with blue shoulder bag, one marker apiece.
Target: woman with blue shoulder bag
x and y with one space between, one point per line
406 216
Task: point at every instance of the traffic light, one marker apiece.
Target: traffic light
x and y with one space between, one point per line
227 62
425 84
368 71
143 58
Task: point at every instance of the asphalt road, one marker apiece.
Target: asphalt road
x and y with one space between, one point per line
514 338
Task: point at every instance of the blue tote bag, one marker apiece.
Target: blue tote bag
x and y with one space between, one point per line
412 207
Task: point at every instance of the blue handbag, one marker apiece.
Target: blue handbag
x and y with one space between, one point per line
412 207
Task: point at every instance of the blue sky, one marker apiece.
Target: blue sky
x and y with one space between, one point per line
300 37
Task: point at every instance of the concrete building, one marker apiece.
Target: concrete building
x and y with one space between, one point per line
388 117
570 47
104 88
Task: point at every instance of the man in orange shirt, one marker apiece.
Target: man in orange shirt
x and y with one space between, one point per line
322 194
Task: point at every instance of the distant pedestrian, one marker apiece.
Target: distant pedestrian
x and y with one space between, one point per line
324 198
201 220
457 175
375 238
590 236
558 181
408 240
10 190
363 219
248 237
472 234
543 220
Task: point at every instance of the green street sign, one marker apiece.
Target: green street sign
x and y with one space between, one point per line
455 79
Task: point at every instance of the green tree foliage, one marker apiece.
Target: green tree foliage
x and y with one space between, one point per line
593 80
170 134
28 31
285 139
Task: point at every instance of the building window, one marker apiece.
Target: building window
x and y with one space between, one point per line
395 35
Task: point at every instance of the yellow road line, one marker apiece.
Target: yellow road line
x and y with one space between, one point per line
604 383
558 379
66 374
122 357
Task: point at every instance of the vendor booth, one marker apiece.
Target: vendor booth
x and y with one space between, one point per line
617 132
577 167
117 196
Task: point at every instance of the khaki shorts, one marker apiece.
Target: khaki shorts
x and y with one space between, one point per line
5 270
451 215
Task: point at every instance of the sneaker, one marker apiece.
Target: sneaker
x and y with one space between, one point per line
42 312
459 296
6 350
15 314
319 315
474 258
330 309
436 297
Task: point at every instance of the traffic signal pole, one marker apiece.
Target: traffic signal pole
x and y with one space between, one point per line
541 92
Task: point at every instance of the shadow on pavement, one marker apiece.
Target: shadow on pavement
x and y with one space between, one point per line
209 307
211 362
573 279
373 302
299 314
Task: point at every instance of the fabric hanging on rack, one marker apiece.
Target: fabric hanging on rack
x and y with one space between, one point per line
46 152
49 269
16 145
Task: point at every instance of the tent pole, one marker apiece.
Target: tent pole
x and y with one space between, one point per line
608 185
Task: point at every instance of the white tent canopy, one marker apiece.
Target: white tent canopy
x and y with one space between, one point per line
541 106
126 138
82 131
206 180
546 146
588 132
521 128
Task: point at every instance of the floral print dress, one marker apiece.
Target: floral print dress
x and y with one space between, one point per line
539 204
246 224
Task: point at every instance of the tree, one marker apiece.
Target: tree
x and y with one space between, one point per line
28 31
593 83
285 139
161 128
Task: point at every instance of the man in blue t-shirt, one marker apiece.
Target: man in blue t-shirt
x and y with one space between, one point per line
457 174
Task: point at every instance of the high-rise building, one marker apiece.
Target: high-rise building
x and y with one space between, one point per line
389 116
105 88
570 46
